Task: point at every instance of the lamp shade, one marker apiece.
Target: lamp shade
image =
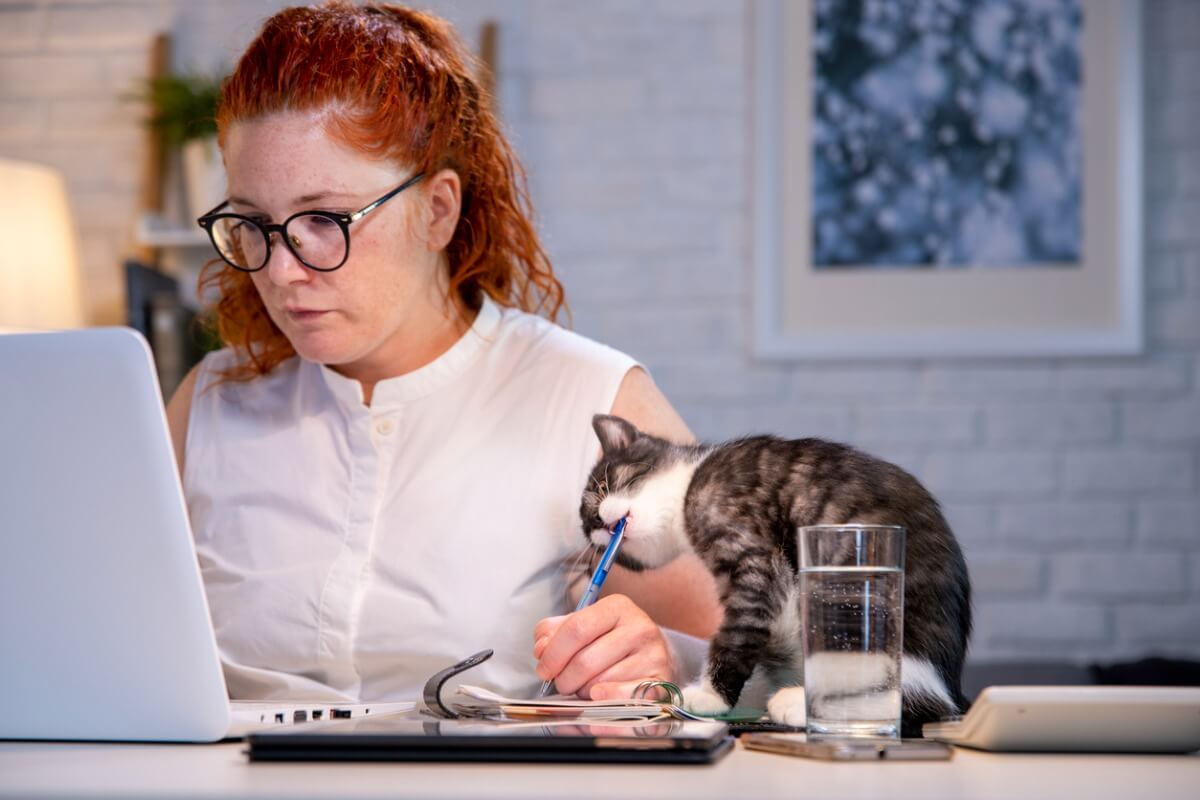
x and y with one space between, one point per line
40 284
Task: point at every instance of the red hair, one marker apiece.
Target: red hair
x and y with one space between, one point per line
397 85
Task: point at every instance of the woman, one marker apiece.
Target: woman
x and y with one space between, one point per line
384 465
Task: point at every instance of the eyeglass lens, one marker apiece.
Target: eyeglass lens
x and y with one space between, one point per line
316 240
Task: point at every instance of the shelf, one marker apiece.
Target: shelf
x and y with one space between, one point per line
156 231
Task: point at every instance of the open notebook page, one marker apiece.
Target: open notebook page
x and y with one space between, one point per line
484 702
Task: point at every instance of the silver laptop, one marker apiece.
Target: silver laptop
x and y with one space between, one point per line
104 625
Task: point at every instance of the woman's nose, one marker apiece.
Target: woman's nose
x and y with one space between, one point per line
283 268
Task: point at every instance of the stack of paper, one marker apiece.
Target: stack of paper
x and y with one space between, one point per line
474 701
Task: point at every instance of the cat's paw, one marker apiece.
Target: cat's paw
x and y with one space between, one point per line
701 698
786 706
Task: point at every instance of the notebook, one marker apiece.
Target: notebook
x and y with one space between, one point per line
1116 719
652 699
667 741
103 616
475 701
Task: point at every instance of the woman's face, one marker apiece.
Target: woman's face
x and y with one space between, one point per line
364 317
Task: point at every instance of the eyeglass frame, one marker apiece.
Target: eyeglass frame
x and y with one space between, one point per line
207 220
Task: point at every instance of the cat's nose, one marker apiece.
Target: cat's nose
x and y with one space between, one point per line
610 521
610 512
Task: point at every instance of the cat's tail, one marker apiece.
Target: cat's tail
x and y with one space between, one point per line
925 697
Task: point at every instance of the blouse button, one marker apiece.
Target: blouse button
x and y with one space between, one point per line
384 427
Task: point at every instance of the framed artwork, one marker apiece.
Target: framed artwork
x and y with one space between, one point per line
947 178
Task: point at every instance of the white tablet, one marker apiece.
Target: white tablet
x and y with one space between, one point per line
1113 719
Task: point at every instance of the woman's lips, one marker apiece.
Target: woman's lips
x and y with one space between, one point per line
304 314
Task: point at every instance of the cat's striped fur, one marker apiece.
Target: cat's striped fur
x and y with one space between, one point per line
738 505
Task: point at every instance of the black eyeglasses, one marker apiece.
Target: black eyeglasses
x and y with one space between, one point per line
319 239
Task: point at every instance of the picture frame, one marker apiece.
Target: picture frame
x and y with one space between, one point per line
1092 307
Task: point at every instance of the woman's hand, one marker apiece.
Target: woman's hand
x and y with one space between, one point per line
603 651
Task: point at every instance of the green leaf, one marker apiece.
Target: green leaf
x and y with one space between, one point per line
183 107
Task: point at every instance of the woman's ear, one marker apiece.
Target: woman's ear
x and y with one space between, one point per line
443 193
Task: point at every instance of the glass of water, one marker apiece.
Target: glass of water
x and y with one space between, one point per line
852 614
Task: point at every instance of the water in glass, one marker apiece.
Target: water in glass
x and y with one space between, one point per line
852 644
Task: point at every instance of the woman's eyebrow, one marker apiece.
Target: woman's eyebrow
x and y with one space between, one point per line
312 198
308 198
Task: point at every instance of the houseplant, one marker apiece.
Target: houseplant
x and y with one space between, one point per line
183 110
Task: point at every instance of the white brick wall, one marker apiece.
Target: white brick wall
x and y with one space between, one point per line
1164 628
1155 375
977 473
927 423
1129 470
1119 575
1007 575
1064 422
1032 627
1086 526
1170 523
1073 483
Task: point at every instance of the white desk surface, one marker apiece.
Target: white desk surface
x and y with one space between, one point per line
32 770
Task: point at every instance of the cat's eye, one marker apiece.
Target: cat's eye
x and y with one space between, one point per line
633 473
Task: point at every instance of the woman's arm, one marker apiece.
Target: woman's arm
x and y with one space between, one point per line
681 595
604 650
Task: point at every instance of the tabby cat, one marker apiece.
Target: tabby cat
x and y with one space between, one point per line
737 505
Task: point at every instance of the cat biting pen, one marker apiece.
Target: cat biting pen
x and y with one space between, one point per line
738 505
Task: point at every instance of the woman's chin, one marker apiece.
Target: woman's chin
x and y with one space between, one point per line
321 349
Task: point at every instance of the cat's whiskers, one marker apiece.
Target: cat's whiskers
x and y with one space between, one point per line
578 567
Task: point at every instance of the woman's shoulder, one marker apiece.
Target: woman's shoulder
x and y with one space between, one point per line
209 391
529 335
216 362
214 391
179 408
214 373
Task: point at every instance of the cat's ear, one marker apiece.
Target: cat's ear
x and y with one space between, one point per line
614 432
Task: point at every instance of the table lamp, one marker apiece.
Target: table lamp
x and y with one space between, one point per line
40 285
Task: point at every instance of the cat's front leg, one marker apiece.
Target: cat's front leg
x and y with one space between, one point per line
701 698
787 707
732 656
754 598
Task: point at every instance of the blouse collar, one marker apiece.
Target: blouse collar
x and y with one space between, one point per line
422 381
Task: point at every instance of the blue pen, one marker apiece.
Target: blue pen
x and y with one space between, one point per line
593 589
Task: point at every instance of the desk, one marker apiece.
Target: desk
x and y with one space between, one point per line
30 770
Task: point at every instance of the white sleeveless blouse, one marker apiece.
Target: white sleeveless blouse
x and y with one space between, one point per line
350 552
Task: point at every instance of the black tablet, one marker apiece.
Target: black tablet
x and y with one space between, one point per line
409 739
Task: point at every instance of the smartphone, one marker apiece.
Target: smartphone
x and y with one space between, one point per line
797 744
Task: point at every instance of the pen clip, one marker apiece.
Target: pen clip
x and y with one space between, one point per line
433 687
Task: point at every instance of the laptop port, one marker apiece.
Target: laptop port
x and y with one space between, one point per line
317 714
300 716
339 713
279 718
